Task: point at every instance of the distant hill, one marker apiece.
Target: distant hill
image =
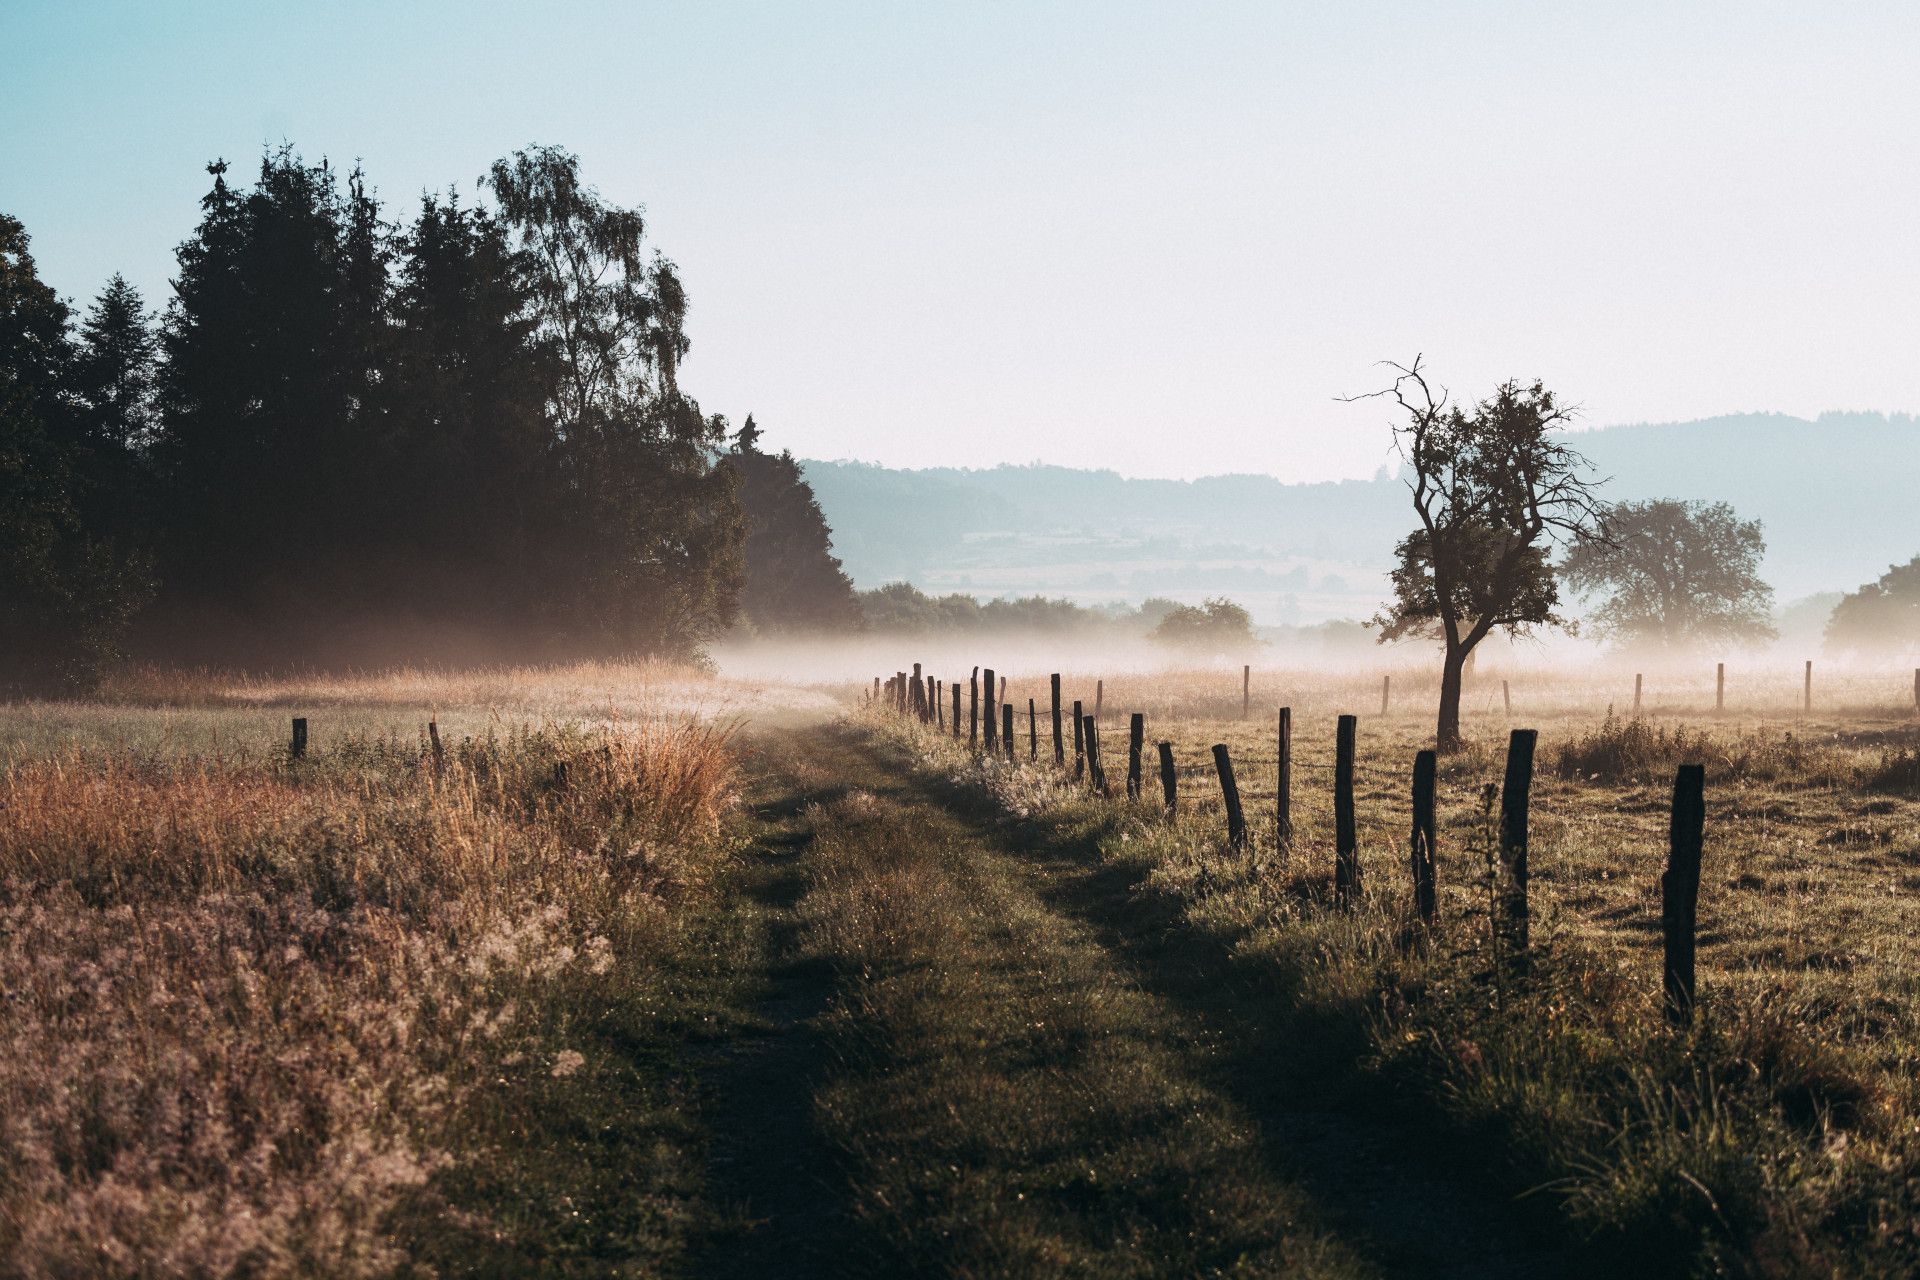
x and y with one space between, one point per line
1839 496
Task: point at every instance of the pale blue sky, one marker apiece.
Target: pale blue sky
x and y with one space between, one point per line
1160 238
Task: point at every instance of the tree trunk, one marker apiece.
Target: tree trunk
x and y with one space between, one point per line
1447 737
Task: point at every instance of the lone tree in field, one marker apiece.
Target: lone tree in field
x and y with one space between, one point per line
1672 572
1494 489
1218 626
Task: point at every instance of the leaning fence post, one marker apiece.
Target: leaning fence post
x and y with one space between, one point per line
1136 740
1096 772
1059 743
1006 729
1680 890
1033 731
1346 839
1230 794
1425 828
1514 797
1169 786
298 748
1079 742
1283 792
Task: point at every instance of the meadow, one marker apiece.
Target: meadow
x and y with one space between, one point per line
1780 1135
367 1011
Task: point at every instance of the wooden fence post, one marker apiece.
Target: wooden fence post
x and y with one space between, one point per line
939 705
1246 690
1099 697
1006 729
1283 795
1916 689
1033 731
919 695
1079 742
1636 692
1506 697
900 692
1136 741
956 710
1169 786
1680 890
1386 693
1515 796
1096 772
1719 688
1230 794
1059 743
973 710
439 750
990 686
1809 686
1425 830
298 748
1346 838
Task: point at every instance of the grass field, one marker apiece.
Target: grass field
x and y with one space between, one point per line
1780 1137
761 984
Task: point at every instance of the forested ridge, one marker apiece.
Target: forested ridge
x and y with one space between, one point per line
353 435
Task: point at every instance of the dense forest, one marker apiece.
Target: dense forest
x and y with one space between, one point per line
460 435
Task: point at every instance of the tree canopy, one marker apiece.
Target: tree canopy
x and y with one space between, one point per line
1671 572
793 580
1883 616
1216 626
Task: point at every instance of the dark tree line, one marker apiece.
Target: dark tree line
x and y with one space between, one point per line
349 437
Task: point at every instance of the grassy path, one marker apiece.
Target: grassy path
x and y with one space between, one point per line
1018 1066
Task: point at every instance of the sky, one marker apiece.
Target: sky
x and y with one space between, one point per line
1163 239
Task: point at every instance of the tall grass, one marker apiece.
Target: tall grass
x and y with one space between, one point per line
252 1004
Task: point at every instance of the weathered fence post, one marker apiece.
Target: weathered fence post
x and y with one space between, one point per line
1006 729
1079 742
1136 742
1169 786
1246 690
973 710
1506 697
1808 699
990 687
1283 795
1230 794
1033 731
1386 693
1096 772
1719 688
939 705
919 698
1425 829
439 750
1099 697
298 748
1515 795
1916 689
1059 743
900 692
1636 692
876 688
1680 890
956 710
1346 838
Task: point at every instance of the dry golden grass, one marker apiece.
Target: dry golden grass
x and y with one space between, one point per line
254 1005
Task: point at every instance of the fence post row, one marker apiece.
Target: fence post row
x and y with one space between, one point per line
1515 795
1230 794
1169 786
1680 891
1425 830
1136 740
1346 841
